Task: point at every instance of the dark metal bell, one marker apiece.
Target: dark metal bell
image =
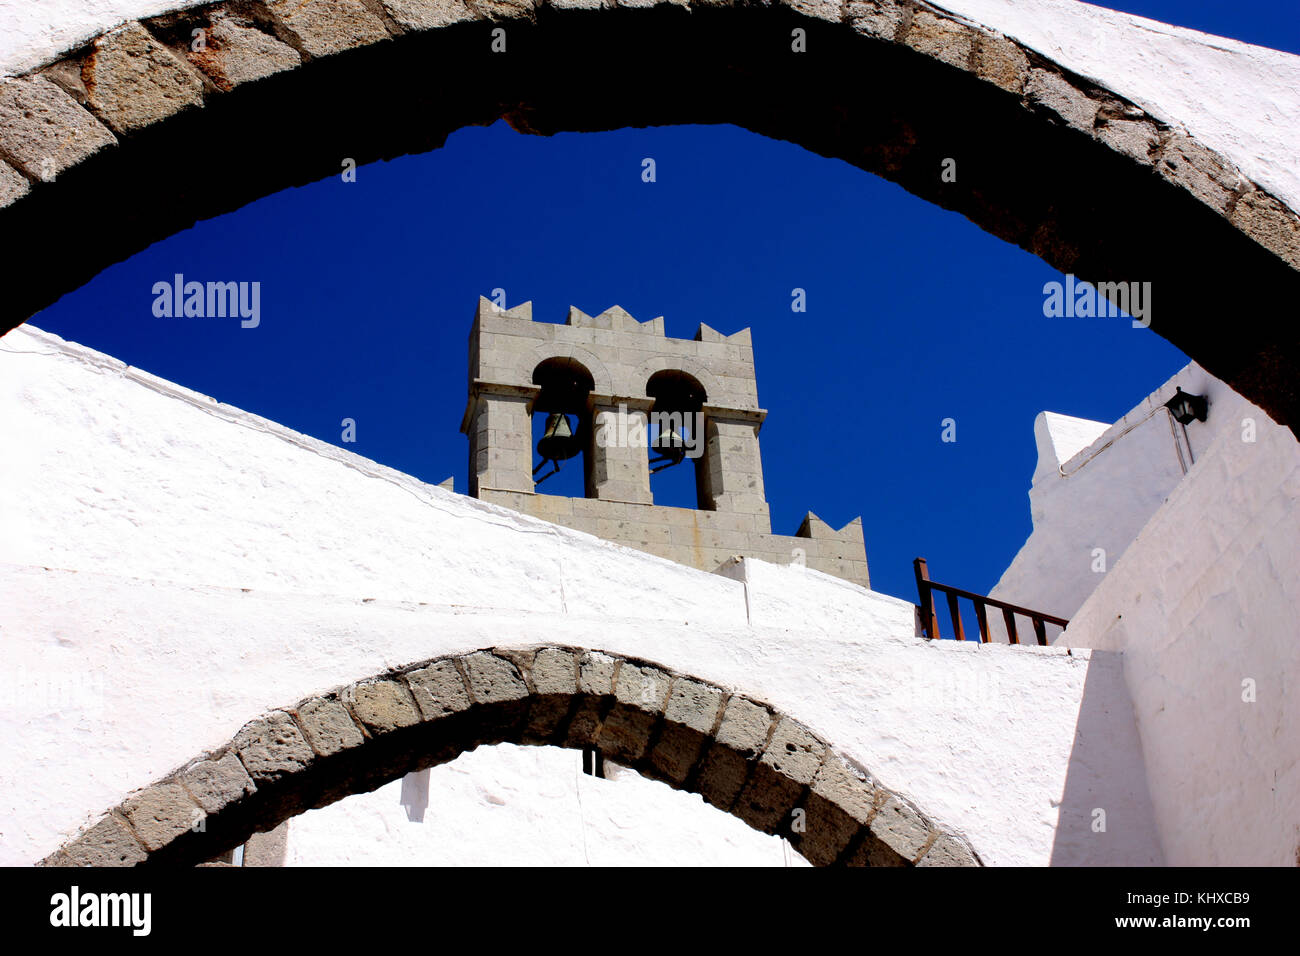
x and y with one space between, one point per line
558 443
671 448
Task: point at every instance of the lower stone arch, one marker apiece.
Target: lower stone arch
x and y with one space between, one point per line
739 754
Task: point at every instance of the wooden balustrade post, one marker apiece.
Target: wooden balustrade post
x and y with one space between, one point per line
982 616
955 613
1010 620
929 622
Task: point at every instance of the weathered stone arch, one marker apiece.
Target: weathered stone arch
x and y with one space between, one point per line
1076 174
738 753
527 362
663 363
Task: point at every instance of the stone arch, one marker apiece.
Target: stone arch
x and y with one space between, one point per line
740 754
697 370
527 362
146 135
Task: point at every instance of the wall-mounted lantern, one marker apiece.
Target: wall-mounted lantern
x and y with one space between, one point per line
1187 408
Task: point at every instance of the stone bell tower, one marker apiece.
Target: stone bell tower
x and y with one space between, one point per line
615 381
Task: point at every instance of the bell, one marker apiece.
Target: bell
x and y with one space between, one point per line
671 448
558 442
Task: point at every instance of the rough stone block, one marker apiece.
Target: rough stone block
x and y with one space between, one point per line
1269 223
555 671
555 681
438 689
133 81
325 27
873 852
676 753
44 131
690 715
645 4
272 748
507 9
493 680
161 813
1137 138
215 784
328 726
900 828
1001 61
767 799
596 673
640 694
427 14
107 843
877 18
1056 93
644 688
584 726
383 706
13 185
827 831
237 52
841 785
1200 171
625 733
744 728
722 776
945 40
794 752
693 705
948 851
829 10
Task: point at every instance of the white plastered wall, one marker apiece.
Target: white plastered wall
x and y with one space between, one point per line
1094 488
1204 606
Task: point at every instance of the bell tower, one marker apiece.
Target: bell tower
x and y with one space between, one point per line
624 401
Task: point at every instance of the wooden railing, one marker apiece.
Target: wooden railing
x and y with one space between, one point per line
930 621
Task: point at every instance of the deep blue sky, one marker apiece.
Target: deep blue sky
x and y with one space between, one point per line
914 314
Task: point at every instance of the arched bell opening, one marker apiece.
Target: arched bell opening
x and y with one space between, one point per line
561 427
676 438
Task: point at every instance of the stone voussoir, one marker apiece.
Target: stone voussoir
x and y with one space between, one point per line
133 81
232 48
13 185
383 706
217 782
328 726
1001 61
493 679
1270 223
555 671
161 813
946 40
877 18
428 14
322 28
948 850
43 131
1052 91
272 747
901 828
438 689
794 751
109 842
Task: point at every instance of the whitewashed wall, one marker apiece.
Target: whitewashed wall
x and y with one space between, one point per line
1095 487
1204 606
172 567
